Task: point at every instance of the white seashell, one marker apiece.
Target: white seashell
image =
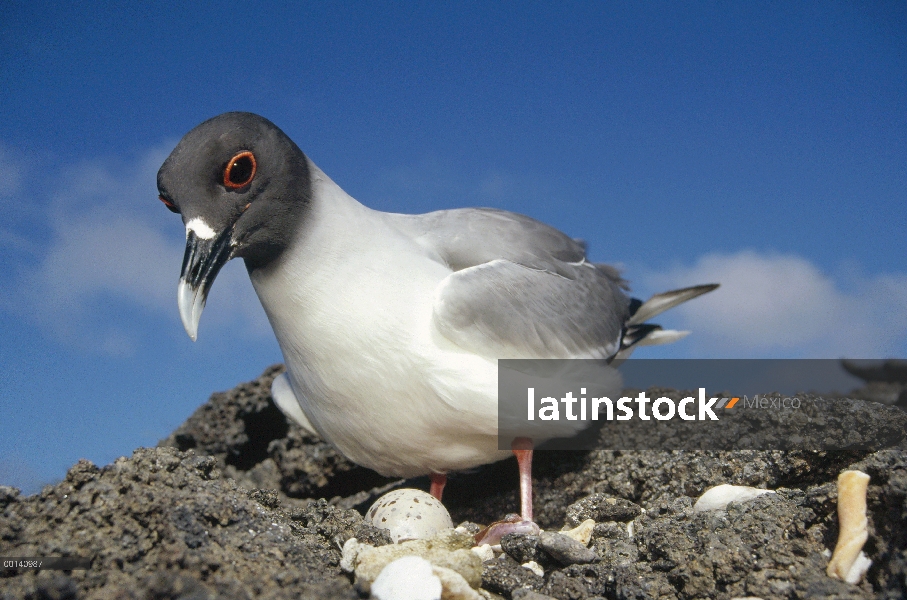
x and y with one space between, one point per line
407 578
409 515
718 497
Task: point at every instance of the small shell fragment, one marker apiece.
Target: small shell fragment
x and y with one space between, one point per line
409 514
351 549
484 552
582 533
534 567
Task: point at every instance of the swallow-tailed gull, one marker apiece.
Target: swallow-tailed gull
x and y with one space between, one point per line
391 325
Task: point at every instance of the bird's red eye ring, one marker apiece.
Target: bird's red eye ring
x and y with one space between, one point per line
240 170
170 205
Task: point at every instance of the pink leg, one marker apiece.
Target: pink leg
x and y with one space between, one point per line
522 448
438 481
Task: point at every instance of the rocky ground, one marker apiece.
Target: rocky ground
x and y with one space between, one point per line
238 503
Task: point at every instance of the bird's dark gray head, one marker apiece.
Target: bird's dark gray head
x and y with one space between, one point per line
242 187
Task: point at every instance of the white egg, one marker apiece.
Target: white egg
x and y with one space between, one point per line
409 515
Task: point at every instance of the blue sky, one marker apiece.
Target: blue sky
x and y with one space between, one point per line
760 145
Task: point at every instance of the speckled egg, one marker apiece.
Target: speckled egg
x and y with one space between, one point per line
409 515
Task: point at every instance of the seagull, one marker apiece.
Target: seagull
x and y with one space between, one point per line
391 325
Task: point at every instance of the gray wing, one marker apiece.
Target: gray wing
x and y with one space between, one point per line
520 289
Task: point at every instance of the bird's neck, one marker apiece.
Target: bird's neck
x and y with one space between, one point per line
299 284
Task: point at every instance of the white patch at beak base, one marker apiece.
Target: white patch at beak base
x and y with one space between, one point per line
201 229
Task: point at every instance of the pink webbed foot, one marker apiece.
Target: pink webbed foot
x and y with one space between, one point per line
514 523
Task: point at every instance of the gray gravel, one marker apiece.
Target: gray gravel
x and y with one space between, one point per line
238 503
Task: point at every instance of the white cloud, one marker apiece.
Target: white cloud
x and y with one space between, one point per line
112 244
772 305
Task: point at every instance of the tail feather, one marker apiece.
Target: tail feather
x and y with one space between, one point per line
659 303
655 336
662 336
634 334
639 333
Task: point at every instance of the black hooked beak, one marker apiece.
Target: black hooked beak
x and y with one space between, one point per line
203 260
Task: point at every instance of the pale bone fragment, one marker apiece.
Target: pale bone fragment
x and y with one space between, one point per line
848 561
453 585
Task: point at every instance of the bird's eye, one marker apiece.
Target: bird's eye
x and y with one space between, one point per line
170 205
240 170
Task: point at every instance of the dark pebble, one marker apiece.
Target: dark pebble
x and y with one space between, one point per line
601 507
503 575
565 550
522 548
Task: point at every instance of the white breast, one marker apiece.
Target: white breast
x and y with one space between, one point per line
351 305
